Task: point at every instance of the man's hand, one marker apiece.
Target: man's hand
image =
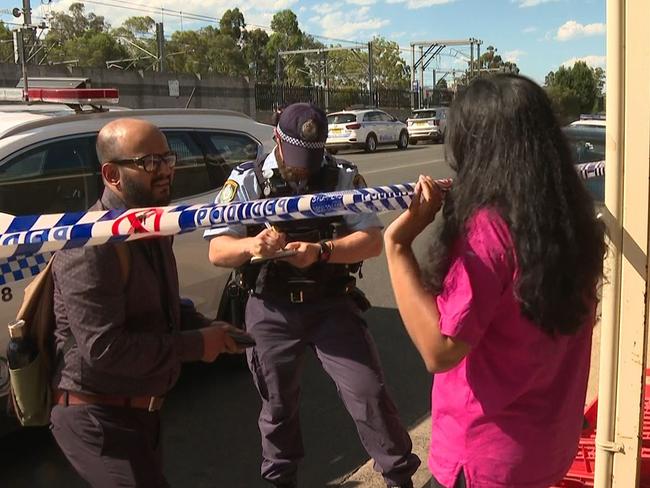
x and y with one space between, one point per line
216 340
267 243
307 253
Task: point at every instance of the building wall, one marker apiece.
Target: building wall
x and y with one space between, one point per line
148 89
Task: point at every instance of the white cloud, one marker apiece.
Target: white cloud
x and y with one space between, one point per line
362 2
416 4
514 56
255 13
326 8
531 3
572 29
529 30
592 60
350 25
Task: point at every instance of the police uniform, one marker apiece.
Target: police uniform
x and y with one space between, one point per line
290 310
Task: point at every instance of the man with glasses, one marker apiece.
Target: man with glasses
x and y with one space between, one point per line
121 330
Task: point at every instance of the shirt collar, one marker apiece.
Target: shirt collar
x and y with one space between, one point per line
111 200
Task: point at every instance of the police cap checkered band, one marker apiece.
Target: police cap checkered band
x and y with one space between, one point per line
297 142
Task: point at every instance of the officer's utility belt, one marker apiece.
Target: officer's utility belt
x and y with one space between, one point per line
298 290
68 398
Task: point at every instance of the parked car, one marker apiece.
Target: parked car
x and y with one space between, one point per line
427 124
588 144
364 129
48 164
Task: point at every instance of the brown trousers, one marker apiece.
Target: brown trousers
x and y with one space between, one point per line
111 447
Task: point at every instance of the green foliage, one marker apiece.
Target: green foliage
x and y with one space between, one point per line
575 90
6 44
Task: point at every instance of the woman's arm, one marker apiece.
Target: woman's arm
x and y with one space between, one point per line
417 306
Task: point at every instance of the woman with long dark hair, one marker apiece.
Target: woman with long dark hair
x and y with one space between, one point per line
505 316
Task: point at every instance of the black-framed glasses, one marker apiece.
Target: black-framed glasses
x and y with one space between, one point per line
151 162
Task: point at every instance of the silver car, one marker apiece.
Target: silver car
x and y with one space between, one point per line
427 124
48 165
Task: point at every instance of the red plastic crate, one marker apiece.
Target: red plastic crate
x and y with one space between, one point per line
581 473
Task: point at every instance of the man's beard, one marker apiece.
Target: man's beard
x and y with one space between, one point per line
138 194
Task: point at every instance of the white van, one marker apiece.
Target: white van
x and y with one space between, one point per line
48 164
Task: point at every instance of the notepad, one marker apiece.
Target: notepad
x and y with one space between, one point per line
277 255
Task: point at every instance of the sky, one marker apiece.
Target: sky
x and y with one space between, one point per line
539 35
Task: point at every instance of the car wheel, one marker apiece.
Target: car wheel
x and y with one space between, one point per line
371 143
403 141
413 142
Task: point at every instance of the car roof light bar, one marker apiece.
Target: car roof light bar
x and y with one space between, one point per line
67 96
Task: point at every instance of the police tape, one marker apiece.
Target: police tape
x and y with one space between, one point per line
26 242
29 235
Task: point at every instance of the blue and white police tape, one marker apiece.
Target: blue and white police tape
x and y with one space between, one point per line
27 242
36 234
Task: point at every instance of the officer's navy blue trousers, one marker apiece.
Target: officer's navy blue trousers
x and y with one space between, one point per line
338 334
111 447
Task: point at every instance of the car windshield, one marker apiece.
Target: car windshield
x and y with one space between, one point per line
341 119
587 143
425 114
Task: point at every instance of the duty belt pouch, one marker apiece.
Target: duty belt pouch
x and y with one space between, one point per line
359 298
232 307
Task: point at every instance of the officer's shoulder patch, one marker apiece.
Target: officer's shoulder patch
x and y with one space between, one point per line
359 181
229 191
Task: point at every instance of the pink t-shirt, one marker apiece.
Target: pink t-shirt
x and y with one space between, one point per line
510 413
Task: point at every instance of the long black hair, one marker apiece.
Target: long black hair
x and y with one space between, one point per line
510 154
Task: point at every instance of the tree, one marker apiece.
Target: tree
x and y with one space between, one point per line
575 90
261 65
137 37
84 38
232 24
390 69
287 36
6 44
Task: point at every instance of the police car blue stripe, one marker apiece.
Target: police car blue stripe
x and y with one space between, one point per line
27 249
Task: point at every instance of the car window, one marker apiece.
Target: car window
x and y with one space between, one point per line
191 175
57 176
372 117
384 117
586 145
341 119
428 114
225 150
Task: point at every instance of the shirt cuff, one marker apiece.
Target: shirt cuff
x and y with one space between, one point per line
190 345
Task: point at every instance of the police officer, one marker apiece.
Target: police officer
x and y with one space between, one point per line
309 300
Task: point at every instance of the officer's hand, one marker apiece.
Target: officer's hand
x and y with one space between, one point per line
216 340
307 253
267 243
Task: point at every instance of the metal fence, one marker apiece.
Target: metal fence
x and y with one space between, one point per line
268 96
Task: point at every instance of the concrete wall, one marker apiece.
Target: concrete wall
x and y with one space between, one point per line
149 89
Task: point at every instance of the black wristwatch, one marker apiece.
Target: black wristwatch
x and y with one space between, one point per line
325 251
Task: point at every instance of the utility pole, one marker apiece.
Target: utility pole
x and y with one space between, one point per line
19 42
371 75
160 41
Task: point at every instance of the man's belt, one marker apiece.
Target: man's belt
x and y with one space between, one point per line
307 291
66 398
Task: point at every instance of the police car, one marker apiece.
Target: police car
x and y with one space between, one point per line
364 129
48 164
